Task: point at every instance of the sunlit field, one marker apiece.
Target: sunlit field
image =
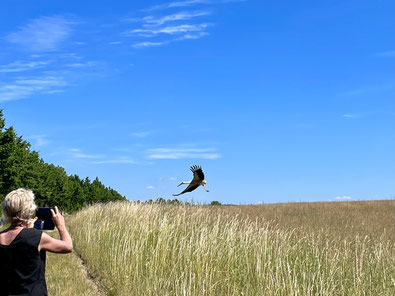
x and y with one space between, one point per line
140 249
66 276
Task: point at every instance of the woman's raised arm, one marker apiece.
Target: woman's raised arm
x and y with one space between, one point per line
62 245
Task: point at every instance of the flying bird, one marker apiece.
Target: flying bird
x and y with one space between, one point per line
198 179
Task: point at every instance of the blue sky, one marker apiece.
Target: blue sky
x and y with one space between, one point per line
277 100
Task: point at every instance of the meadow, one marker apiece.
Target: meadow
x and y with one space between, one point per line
125 248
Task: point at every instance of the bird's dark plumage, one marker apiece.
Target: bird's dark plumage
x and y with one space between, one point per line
190 188
197 172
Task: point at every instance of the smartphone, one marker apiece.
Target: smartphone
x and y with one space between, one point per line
44 219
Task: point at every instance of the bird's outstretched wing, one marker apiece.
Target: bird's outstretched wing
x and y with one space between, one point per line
198 175
191 187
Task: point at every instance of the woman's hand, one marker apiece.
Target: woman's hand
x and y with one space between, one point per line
57 218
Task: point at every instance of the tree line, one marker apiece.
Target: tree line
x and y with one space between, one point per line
22 167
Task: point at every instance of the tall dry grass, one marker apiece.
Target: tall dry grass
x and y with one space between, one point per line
375 219
138 249
66 276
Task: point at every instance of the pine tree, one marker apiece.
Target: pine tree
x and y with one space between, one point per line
21 167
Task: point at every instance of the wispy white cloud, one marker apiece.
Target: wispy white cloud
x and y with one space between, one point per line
19 66
142 134
183 153
50 75
343 197
82 65
120 160
42 34
184 15
150 187
193 36
169 30
25 87
39 140
156 27
147 44
88 156
174 4
385 54
46 81
188 3
55 91
99 159
172 178
353 115
77 153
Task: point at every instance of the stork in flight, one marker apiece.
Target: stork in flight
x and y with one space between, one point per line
198 179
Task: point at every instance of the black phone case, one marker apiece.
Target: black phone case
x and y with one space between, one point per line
44 221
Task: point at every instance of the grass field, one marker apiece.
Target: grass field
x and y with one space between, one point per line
67 276
345 248
285 249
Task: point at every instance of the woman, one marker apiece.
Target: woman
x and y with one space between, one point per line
22 248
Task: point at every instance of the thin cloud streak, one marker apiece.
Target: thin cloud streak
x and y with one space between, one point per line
343 198
171 30
82 65
185 15
46 76
19 66
25 87
77 153
55 91
157 26
42 34
188 3
40 140
352 115
181 155
191 153
120 160
88 156
42 82
193 36
185 3
147 44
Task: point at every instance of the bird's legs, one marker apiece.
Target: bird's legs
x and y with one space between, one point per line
182 183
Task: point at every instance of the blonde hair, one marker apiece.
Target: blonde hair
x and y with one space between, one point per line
18 206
